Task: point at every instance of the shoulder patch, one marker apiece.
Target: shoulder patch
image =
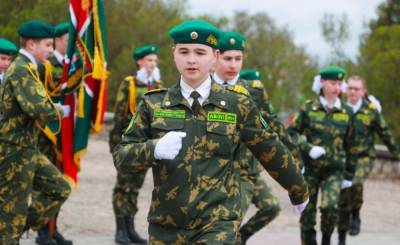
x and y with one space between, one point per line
257 84
371 106
239 89
158 90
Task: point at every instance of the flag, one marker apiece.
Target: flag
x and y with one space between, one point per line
83 83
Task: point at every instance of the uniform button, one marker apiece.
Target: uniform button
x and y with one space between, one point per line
223 103
167 103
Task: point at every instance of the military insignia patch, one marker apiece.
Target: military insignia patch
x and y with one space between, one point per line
214 116
371 106
41 91
366 119
340 117
178 114
132 122
257 84
317 115
212 40
194 35
239 89
263 122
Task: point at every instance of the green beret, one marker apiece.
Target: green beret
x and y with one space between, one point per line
144 51
196 31
333 73
7 47
61 29
36 29
250 74
231 41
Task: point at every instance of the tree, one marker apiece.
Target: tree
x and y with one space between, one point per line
388 14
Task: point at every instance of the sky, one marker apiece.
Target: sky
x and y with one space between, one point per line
302 18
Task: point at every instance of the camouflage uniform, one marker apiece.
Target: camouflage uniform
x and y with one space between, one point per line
367 120
328 129
24 103
196 196
127 187
253 188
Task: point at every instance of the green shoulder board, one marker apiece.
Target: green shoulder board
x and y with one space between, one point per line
239 89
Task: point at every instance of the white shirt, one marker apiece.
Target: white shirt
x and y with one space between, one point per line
29 56
357 106
337 103
204 90
218 80
59 56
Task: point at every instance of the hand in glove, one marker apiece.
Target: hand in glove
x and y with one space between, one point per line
346 184
316 152
169 145
66 109
298 209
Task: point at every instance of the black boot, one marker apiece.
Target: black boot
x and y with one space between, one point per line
245 235
60 239
355 223
133 235
326 239
44 237
342 237
121 234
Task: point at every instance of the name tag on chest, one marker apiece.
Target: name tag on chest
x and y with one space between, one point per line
178 114
224 117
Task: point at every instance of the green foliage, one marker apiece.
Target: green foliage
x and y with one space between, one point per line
388 14
379 64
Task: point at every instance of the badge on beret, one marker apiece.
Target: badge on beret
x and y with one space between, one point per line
232 41
212 40
194 35
340 75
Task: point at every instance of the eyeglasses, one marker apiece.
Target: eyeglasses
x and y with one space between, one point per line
354 88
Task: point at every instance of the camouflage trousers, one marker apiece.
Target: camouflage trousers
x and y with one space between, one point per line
125 194
214 233
257 192
352 198
23 171
328 181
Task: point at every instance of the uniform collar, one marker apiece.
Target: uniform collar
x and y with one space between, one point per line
204 90
357 106
324 103
29 56
59 56
220 81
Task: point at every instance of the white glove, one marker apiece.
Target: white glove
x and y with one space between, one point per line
298 209
169 145
66 109
346 184
316 152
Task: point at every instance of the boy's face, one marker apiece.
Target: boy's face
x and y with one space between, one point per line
229 64
149 62
331 88
5 61
41 49
194 61
61 43
355 90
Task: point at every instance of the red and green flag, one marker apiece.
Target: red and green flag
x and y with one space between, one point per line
83 84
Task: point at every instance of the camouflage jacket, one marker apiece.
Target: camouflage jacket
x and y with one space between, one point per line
249 164
122 110
367 120
24 102
202 183
328 129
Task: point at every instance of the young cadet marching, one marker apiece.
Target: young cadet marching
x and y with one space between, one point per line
253 188
325 123
51 73
188 135
126 190
25 105
7 52
366 121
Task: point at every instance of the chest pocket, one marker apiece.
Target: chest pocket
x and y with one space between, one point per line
221 139
161 126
